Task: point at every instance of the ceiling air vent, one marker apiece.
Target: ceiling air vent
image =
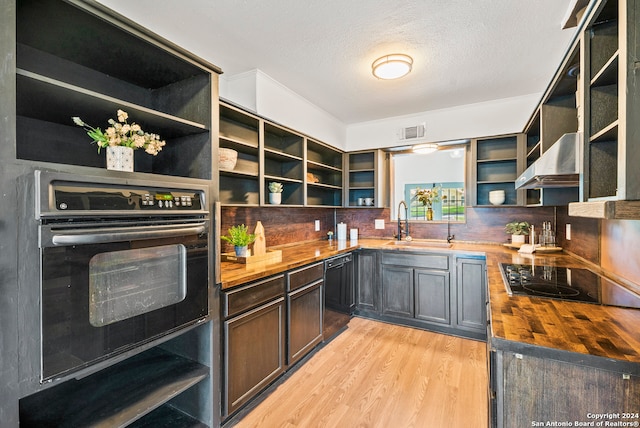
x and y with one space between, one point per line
412 132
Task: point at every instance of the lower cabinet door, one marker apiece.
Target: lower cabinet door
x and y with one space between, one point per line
253 353
397 291
471 291
304 321
366 280
432 296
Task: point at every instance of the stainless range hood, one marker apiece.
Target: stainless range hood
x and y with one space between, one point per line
559 166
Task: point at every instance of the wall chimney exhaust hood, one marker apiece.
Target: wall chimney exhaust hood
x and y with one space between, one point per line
559 166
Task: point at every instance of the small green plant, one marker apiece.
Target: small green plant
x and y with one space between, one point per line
517 228
275 187
239 236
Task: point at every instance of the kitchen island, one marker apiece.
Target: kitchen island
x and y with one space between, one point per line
550 360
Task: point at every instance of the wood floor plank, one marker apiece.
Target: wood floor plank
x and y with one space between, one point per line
378 375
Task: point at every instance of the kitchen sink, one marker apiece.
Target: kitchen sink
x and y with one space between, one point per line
420 244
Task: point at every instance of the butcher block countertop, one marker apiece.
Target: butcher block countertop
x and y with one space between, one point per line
551 328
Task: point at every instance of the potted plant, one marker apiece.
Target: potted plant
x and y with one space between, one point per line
121 139
240 237
275 193
518 230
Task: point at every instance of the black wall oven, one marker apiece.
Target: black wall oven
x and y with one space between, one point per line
120 266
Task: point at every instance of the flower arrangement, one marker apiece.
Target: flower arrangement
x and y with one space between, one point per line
428 196
275 187
121 133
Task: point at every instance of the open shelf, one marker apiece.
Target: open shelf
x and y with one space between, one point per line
603 166
608 75
603 45
495 167
609 132
115 396
280 140
319 154
366 176
293 193
167 417
239 127
71 62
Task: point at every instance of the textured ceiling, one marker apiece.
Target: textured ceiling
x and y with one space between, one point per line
464 51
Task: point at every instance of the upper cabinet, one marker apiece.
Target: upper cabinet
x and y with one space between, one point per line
367 179
73 61
495 164
556 115
240 132
610 43
324 176
309 171
283 153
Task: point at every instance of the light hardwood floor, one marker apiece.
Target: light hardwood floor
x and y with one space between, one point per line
382 375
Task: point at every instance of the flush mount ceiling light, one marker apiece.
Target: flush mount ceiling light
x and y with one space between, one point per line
392 66
425 149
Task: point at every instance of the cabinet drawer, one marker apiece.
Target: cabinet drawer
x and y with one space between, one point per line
305 275
252 295
430 261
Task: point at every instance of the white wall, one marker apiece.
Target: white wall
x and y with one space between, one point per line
260 93
495 117
240 88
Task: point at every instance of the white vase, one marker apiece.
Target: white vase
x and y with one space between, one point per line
120 158
275 198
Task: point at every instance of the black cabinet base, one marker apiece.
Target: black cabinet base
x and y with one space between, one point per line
466 334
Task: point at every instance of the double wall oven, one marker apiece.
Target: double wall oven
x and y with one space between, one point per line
121 263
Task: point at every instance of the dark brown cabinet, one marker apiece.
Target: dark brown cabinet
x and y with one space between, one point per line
366 275
423 289
309 170
240 131
366 176
471 291
70 63
80 58
304 310
495 164
324 175
526 388
432 294
254 340
397 291
610 184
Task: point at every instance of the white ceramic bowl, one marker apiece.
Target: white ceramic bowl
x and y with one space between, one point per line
497 197
227 158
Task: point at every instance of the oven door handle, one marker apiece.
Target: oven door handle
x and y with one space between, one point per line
106 235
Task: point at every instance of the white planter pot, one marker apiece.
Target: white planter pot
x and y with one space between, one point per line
517 239
275 198
120 158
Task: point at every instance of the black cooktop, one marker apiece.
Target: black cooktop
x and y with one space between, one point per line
580 285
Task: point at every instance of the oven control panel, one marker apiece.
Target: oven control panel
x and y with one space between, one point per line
90 198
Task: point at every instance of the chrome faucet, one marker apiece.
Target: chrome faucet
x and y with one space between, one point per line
406 222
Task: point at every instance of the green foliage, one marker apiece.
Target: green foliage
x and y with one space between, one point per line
517 228
275 187
239 236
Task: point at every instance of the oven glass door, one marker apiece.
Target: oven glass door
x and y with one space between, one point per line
103 298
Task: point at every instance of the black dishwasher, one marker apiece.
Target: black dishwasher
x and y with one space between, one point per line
339 294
